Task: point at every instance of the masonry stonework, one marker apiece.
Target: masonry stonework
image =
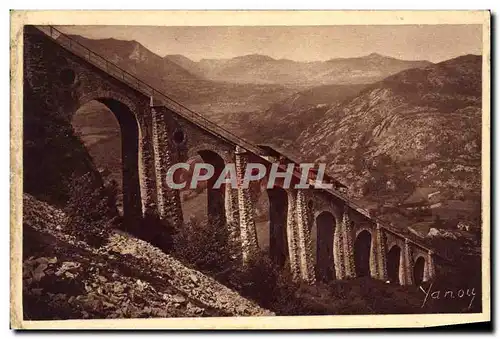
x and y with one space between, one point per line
303 217
154 137
233 222
381 254
338 251
248 233
347 239
374 260
406 274
147 175
169 202
430 269
65 82
292 235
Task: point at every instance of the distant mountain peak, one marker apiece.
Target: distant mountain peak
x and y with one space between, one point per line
134 56
371 56
254 57
375 55
474 58
177 56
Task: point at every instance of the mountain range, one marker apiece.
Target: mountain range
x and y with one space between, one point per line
383 126
262 69
212 98
418 128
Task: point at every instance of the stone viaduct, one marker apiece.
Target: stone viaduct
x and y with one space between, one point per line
158 132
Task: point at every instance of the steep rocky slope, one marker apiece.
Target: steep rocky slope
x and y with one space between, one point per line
136 58
186 63
420 127
283 122
66 278
262 69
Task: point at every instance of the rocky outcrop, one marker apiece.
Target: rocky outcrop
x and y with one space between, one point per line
64 278
418 128
435 232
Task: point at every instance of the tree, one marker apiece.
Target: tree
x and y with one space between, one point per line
204 245
91 209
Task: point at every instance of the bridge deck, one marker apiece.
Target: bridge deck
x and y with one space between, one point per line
120 74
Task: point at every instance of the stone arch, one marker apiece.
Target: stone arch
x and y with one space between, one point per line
130 134
419 270
418 252
204 201
394 263
324 202
362 250
195 150
215 196
278 210
101 94
324 209
395 242
337 210
362 229
324 226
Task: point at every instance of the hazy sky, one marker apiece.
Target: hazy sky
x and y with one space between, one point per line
302 43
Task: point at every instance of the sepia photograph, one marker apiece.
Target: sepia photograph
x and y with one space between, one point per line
255 171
